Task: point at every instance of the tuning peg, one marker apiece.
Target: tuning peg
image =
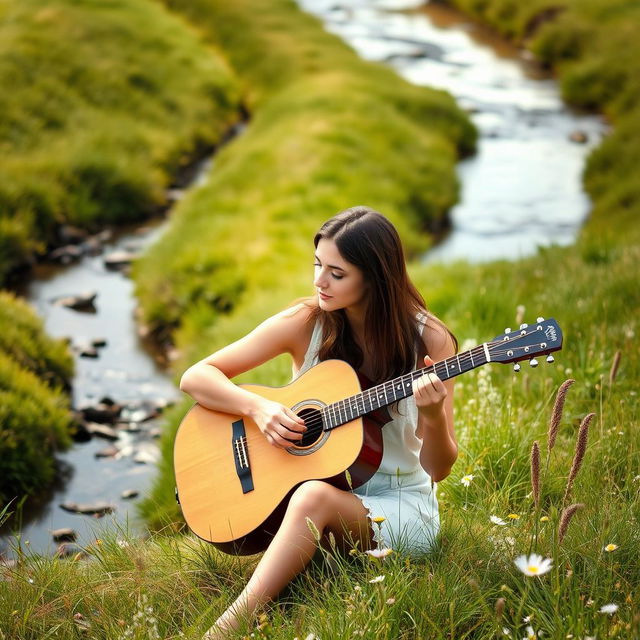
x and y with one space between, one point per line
540 319
516 367
550 359
533 362
507 330
524 325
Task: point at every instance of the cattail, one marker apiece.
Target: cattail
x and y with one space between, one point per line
614 366
535 472
581 447
556 415
500 602
565 518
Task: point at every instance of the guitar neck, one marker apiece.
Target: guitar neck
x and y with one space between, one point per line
387 393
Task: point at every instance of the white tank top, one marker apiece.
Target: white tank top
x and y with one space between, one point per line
401 442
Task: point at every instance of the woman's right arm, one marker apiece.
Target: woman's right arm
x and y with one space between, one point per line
208 381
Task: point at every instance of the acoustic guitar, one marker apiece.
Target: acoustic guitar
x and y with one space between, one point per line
233 486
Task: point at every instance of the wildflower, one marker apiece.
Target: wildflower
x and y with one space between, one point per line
611 547
376 579
534 565
544 519
506 631
531 634
526 619
379 553
391 600
497 520
590 602
466 480
378 519
609 608
513 516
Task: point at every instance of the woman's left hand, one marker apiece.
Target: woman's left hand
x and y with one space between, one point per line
429 392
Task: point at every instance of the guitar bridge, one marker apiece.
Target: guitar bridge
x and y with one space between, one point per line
241 455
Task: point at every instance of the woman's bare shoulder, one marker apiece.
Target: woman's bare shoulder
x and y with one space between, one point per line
436 336
295 323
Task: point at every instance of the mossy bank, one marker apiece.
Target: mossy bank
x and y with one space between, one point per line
35 372
103 104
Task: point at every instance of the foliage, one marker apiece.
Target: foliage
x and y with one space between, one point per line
34 411
107 102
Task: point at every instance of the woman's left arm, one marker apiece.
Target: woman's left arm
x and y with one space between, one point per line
434 399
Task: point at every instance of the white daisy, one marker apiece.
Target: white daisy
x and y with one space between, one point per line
376 579
534 565
466 480
609 608
379 553
497 520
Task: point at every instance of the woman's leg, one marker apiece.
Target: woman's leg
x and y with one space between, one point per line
293 546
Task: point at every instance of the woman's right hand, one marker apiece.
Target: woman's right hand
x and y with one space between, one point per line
280 426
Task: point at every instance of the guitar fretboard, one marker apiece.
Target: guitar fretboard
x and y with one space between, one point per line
387 393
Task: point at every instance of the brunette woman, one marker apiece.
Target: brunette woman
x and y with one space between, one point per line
365 311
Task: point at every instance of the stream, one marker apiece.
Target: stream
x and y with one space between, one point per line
520 191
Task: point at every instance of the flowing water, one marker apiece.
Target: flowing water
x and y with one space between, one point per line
522 189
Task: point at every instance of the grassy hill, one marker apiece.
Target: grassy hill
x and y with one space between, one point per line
102 104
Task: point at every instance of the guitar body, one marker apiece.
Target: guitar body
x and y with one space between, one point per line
233 486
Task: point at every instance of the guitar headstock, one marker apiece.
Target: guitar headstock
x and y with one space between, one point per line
530 340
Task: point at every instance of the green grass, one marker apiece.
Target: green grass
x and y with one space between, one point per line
35 373
103 104
229 270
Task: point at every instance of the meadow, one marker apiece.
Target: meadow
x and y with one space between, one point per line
549 458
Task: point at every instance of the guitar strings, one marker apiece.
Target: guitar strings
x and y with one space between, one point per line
316 424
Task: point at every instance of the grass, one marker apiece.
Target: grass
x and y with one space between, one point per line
173 586
107 102
126 587
35 373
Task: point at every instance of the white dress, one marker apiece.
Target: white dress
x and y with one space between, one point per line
401 491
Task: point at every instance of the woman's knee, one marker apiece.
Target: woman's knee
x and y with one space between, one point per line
311 498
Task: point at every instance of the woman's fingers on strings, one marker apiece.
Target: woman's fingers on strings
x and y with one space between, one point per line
297 421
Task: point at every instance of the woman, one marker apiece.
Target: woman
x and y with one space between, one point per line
368 313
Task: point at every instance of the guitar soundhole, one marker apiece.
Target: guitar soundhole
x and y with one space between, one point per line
313 421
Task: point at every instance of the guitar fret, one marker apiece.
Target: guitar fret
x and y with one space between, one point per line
401 387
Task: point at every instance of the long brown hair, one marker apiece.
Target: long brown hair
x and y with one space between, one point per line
367 240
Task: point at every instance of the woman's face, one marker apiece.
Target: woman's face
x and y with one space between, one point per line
340 285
